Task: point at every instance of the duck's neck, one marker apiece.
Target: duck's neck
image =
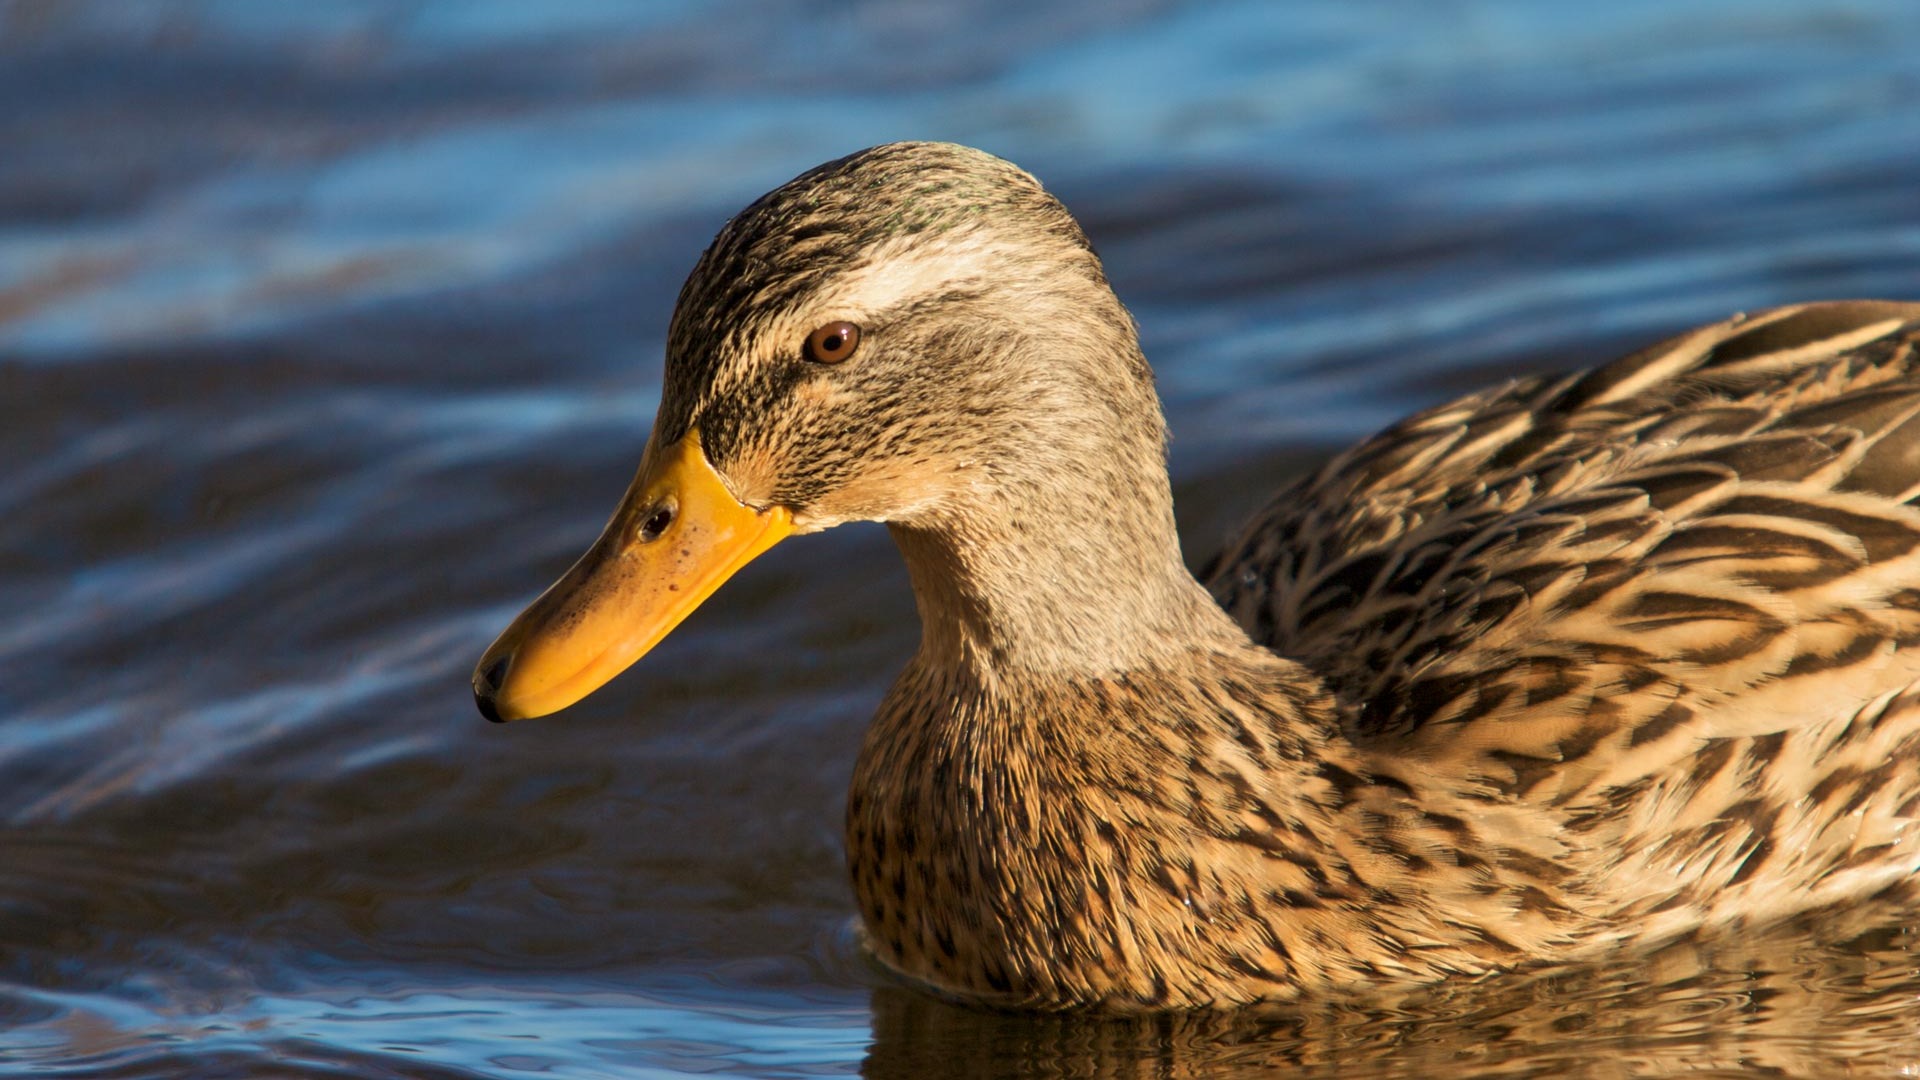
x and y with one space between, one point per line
1071 570
1052 805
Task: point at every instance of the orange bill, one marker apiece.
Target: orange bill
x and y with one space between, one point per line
678 535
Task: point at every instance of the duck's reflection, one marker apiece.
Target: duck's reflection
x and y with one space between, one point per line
1792 1002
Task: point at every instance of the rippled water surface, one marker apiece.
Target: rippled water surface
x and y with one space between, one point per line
330 332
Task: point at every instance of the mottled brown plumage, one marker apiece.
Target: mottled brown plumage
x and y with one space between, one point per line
1570 664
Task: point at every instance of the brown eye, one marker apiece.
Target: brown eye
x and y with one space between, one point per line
833 342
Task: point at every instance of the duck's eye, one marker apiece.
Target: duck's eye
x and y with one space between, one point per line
833 342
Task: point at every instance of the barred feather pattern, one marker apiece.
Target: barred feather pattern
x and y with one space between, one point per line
1665 609
1580 663
1201 835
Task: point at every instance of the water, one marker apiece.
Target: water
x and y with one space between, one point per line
329 334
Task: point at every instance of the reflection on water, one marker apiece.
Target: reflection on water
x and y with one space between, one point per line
1775 1005
330 332
1782 1003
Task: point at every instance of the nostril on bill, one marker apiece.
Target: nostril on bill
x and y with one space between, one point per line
656 521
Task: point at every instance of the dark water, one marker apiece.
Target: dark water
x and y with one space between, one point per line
329 333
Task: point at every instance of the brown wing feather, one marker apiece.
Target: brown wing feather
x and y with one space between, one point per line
1647 627
1703 521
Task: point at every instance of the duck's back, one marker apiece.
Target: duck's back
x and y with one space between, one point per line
1676 597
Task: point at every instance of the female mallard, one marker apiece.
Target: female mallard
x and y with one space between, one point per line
1569 664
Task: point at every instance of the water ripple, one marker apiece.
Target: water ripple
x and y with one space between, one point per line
329 333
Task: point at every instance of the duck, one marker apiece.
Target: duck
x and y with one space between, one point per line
1577 664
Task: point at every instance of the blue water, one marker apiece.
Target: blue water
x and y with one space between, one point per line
329 333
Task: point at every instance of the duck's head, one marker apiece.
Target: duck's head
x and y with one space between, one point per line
899 336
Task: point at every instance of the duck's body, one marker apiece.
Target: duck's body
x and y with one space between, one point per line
1563 666
1548 670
